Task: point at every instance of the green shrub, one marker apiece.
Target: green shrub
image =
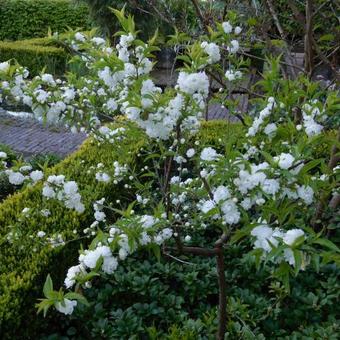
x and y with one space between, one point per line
11 155
6 188
40 162
24 19
35 54
166 299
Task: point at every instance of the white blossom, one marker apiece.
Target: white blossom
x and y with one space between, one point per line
306 193
4 67
221 193
190 153
237 30
270 129
191 83
212 50
285 160
232 75
16 178
67 308
227 27
209 154
36 175
292 235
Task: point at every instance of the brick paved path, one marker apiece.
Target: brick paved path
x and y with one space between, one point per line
29 137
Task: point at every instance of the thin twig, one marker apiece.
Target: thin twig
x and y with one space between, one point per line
324 58
200 15
222 296
328 56
177 259
194 251
263 59
287 53
319 8
309 38
333 161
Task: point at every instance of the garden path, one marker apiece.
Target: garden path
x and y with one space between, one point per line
29 137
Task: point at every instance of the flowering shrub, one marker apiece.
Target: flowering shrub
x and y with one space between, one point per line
265 186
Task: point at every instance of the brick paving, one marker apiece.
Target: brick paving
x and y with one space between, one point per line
29 137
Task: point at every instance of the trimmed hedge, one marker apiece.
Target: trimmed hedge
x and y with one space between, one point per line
23 271
35 54
24 19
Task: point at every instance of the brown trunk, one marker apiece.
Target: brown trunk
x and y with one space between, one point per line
222 297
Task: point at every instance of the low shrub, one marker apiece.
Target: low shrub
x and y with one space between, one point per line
168 299
6 188
24 19
35 54
40 162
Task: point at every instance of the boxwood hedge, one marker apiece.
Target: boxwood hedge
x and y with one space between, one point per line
36 54
23 265
24 19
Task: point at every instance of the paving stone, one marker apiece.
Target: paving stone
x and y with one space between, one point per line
29 137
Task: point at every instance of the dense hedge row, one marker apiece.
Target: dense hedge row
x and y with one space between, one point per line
35 54
22 271
23 19
23 264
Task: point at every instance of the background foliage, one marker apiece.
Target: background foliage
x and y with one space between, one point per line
36 54
23 19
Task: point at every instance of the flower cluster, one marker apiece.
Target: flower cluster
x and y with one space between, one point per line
19 174
268 239
65 191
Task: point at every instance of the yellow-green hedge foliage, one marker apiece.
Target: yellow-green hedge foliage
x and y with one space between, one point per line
35 54
22 271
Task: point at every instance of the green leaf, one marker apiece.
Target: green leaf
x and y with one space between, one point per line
316 262
282 274
309 166
44 305
298 260
327 37
48 286
78 297
327 243
157 251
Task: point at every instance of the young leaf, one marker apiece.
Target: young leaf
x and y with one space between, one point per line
48 286
327 243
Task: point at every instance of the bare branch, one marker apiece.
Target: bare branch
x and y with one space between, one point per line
222 296
286 51
324 58
194 251
177 259
200 15
309 55
333 161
